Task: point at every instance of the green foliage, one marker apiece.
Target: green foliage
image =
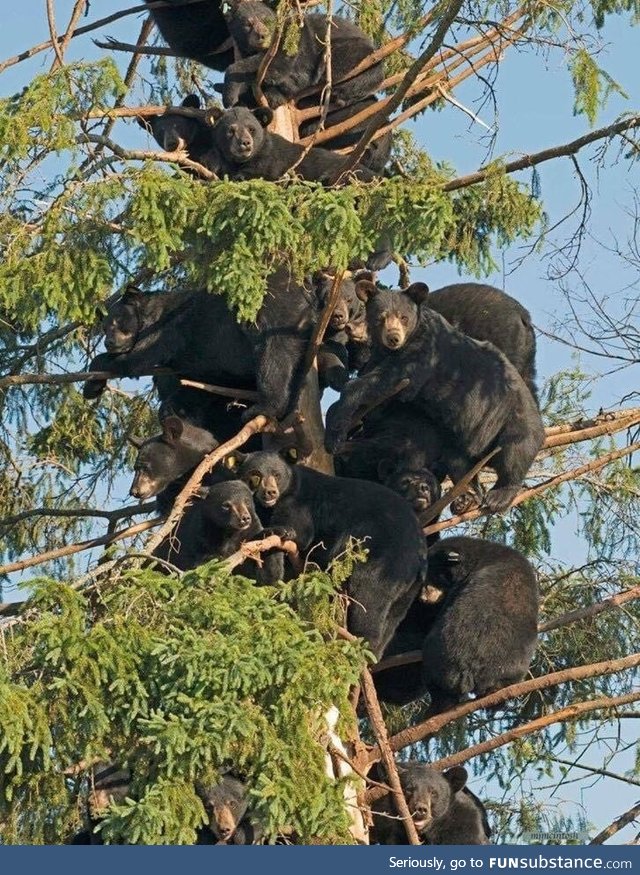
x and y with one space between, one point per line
592 85
175 678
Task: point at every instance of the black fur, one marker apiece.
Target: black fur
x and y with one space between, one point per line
467 389
486 313
173 130
444 811
252 25
197 31
216 526
378 152
227 807
321 513
244 149
196 335
484 635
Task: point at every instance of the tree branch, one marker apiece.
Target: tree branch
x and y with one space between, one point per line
379 119
417 733
87 28
546 154
592 770
225 391
569 713
178 157
71 512
552 482
255 426
614 601
59 552
618 824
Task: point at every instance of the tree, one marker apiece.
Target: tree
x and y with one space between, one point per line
179 676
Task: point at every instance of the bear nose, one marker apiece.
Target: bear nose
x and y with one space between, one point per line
393 340
134 491
245 519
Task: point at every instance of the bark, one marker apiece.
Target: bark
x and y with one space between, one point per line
619 823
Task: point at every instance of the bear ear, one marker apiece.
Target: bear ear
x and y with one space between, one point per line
234 460
386 467
192 101
135 441
365 290
418 292
456 777
214 113
363 274
132 295
290 455
264 115
172 428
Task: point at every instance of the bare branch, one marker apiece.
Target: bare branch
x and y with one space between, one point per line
380 732
59 552
394 102
614 601
619 823
546 154
417 733
572 474
72 512
254 549
592 770
225 391
569 713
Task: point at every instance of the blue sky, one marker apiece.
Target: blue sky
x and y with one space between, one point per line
535 111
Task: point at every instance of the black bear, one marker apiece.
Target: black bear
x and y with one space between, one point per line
444 812
244 149
219 415
321 513
226 805
486 313
393 437
108 783
485 631
197 31
252 25
466 388
173 131
419 486
165 461
196 335
215 526
479 311
401 684
348 323
378 151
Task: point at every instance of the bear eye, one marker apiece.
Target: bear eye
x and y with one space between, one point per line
226 505
254 480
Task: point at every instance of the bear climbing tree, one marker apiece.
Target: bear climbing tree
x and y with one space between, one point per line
182 279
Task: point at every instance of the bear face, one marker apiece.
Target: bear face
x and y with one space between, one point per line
240 133
168 456
251 25
173 131
225 804
429 793
392 317
229 505
122 323
267 475
419 487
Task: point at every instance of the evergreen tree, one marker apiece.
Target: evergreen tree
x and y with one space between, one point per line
180 677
